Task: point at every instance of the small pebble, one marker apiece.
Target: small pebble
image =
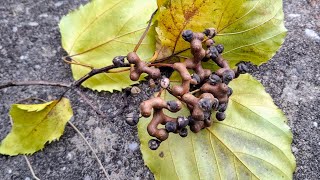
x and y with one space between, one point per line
33 24
23 57
135 90
294 15
69 156
37 66
58 4
44 15
87 177
14 29
315 124
312 34
133 146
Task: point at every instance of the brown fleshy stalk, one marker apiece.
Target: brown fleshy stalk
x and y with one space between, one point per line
140 67
210 92
156 105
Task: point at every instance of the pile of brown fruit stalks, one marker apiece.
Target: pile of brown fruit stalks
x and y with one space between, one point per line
204 92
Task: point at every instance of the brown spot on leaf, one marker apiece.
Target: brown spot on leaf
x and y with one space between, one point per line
190 13
161 154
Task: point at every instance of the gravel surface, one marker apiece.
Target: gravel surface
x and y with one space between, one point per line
30 50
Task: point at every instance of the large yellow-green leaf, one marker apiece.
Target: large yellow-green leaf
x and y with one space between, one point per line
252 143
250 30
97 32
35 125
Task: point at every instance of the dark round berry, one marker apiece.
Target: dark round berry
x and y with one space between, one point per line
187 35
182 122
132 118
214 79
191 120
154 144
242 68
220 48
206 32
183 132
171 126
207 115
230 91
210 32
68 58
222 107
205 104
173 106
220 116
205 59
196 77
227 76
213 53
118 61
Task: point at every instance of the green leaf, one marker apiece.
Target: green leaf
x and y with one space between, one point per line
252 143
250 30
97 32
35 125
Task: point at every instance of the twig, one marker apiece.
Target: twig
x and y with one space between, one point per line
145 32
95 72
30 83
69 60
172 55
86 100
31 98
98 160
30 167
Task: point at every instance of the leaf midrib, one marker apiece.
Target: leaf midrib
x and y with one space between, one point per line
42 119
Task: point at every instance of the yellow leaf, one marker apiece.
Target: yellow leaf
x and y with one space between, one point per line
35 125
253 142
97 32
250 30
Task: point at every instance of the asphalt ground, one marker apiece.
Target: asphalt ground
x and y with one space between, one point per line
30 50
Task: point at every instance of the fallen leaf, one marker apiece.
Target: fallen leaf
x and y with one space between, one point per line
253 142
250 30
34 125
97 32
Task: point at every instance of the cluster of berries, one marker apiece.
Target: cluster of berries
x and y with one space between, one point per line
211 95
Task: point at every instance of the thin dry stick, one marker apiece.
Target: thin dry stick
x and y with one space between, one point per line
145 32
95 72
30 83
75 62
30 167
98 160
173 55
31 98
